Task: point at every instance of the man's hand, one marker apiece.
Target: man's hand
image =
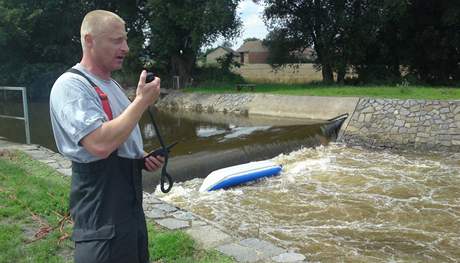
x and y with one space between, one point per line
147 93
107 138
153 163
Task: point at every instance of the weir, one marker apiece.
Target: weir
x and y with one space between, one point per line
243 142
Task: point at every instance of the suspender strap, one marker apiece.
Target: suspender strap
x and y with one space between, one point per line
102 95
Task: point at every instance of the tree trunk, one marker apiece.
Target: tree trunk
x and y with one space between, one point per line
182 66
341 74
328 76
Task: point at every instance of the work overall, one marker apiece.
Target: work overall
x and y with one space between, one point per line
106 207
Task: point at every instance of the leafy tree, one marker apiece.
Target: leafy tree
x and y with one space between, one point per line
373 38
305 23
42 39
226 44
432 32
227 62
179 29
250 39
39 40
282 49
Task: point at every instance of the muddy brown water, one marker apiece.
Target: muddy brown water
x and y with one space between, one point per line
339 204
331 203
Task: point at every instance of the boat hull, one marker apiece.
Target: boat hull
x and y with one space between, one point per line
239 174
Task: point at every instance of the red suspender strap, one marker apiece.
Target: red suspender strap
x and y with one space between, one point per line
105 102
102 95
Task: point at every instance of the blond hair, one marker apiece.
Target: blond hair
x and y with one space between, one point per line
95 22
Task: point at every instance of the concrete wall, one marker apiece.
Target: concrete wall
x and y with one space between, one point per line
305 107
264 73
405 124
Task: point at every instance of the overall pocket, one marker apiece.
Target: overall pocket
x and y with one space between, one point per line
93 245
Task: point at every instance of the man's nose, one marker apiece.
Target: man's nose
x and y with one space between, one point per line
125 47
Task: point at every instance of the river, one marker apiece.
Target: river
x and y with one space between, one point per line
331 203
340 204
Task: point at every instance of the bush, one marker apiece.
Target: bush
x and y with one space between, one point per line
210 75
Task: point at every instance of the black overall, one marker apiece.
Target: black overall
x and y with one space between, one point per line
106 207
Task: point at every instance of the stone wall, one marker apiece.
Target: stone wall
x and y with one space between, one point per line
405 124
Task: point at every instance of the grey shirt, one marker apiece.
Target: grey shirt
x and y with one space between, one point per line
76 110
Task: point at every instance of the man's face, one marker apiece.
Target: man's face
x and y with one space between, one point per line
110 47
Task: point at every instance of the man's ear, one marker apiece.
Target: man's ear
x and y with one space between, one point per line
89 40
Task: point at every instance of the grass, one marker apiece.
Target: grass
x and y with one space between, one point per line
394 92
34 222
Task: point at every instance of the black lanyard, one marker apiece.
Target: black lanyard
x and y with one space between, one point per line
164 172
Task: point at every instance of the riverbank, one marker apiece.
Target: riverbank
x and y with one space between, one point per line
206 234
374 123
324 90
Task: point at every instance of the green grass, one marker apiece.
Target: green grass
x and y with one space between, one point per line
395 92
33 196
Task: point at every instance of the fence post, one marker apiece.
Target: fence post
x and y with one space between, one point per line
26 114
25 110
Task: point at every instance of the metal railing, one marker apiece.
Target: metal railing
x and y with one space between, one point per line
25 107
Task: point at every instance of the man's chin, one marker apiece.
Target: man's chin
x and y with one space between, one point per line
118 66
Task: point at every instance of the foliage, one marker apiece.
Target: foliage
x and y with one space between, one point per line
227 62
373 39
432 34
38 41
250 39
283 50
212 76
42 39
178 30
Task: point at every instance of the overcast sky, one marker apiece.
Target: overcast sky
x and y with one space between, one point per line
253 25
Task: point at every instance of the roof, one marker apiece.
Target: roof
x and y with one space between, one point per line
252 46
225 49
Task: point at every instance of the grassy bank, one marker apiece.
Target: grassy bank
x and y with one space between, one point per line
35 225
395 92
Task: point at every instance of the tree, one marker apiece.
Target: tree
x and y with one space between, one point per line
373 38
305 23
41 39
179 29
250 39
432 32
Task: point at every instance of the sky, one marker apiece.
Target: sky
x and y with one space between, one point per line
253 25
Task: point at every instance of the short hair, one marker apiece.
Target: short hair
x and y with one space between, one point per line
95 21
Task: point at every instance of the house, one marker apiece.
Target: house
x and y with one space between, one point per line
213 56
253 52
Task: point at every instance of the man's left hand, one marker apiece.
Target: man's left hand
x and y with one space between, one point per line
153 163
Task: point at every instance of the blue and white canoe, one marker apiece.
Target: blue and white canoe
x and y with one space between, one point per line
239 174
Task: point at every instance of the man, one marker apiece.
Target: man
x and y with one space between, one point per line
95 126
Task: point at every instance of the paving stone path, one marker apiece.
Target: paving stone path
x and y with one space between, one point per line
206 233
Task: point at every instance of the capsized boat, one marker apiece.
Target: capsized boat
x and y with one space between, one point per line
239 174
